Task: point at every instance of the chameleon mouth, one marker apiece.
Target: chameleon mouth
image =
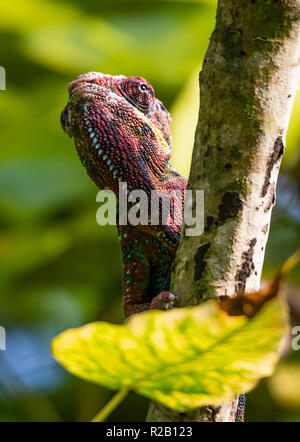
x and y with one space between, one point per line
84 90
89 77
90 84
84 85
87 84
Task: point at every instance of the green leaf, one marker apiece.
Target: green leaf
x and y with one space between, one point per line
184 358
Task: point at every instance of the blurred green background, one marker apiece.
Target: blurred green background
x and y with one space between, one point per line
58 268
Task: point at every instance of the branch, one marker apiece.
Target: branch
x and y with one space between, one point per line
247 87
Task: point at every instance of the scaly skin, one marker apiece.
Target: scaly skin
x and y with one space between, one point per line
122 134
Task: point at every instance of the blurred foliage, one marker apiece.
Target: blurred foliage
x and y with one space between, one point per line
167 356
58 268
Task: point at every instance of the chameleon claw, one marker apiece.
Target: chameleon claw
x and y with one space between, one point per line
164 301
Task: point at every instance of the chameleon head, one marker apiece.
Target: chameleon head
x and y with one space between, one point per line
120 130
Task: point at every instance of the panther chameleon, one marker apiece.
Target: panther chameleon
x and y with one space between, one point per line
122 135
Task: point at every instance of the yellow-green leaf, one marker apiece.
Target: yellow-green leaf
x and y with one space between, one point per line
184 358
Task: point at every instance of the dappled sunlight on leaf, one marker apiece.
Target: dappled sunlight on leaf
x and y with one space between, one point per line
184 358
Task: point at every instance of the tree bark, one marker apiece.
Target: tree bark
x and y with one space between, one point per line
248 83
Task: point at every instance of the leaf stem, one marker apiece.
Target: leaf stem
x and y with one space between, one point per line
111 405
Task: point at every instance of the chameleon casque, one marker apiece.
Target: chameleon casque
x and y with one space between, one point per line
122 134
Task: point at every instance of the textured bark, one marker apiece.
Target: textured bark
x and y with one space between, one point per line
247 87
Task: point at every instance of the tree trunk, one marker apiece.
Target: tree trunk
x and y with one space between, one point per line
247 87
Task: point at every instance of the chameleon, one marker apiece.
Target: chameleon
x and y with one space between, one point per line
122 135
121 132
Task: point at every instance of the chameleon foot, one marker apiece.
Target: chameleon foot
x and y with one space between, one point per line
163 301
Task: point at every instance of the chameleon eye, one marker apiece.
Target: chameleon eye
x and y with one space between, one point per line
141 95
143 87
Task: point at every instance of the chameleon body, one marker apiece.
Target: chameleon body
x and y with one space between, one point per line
122 134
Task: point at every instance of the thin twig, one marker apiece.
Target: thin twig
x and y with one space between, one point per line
111 405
